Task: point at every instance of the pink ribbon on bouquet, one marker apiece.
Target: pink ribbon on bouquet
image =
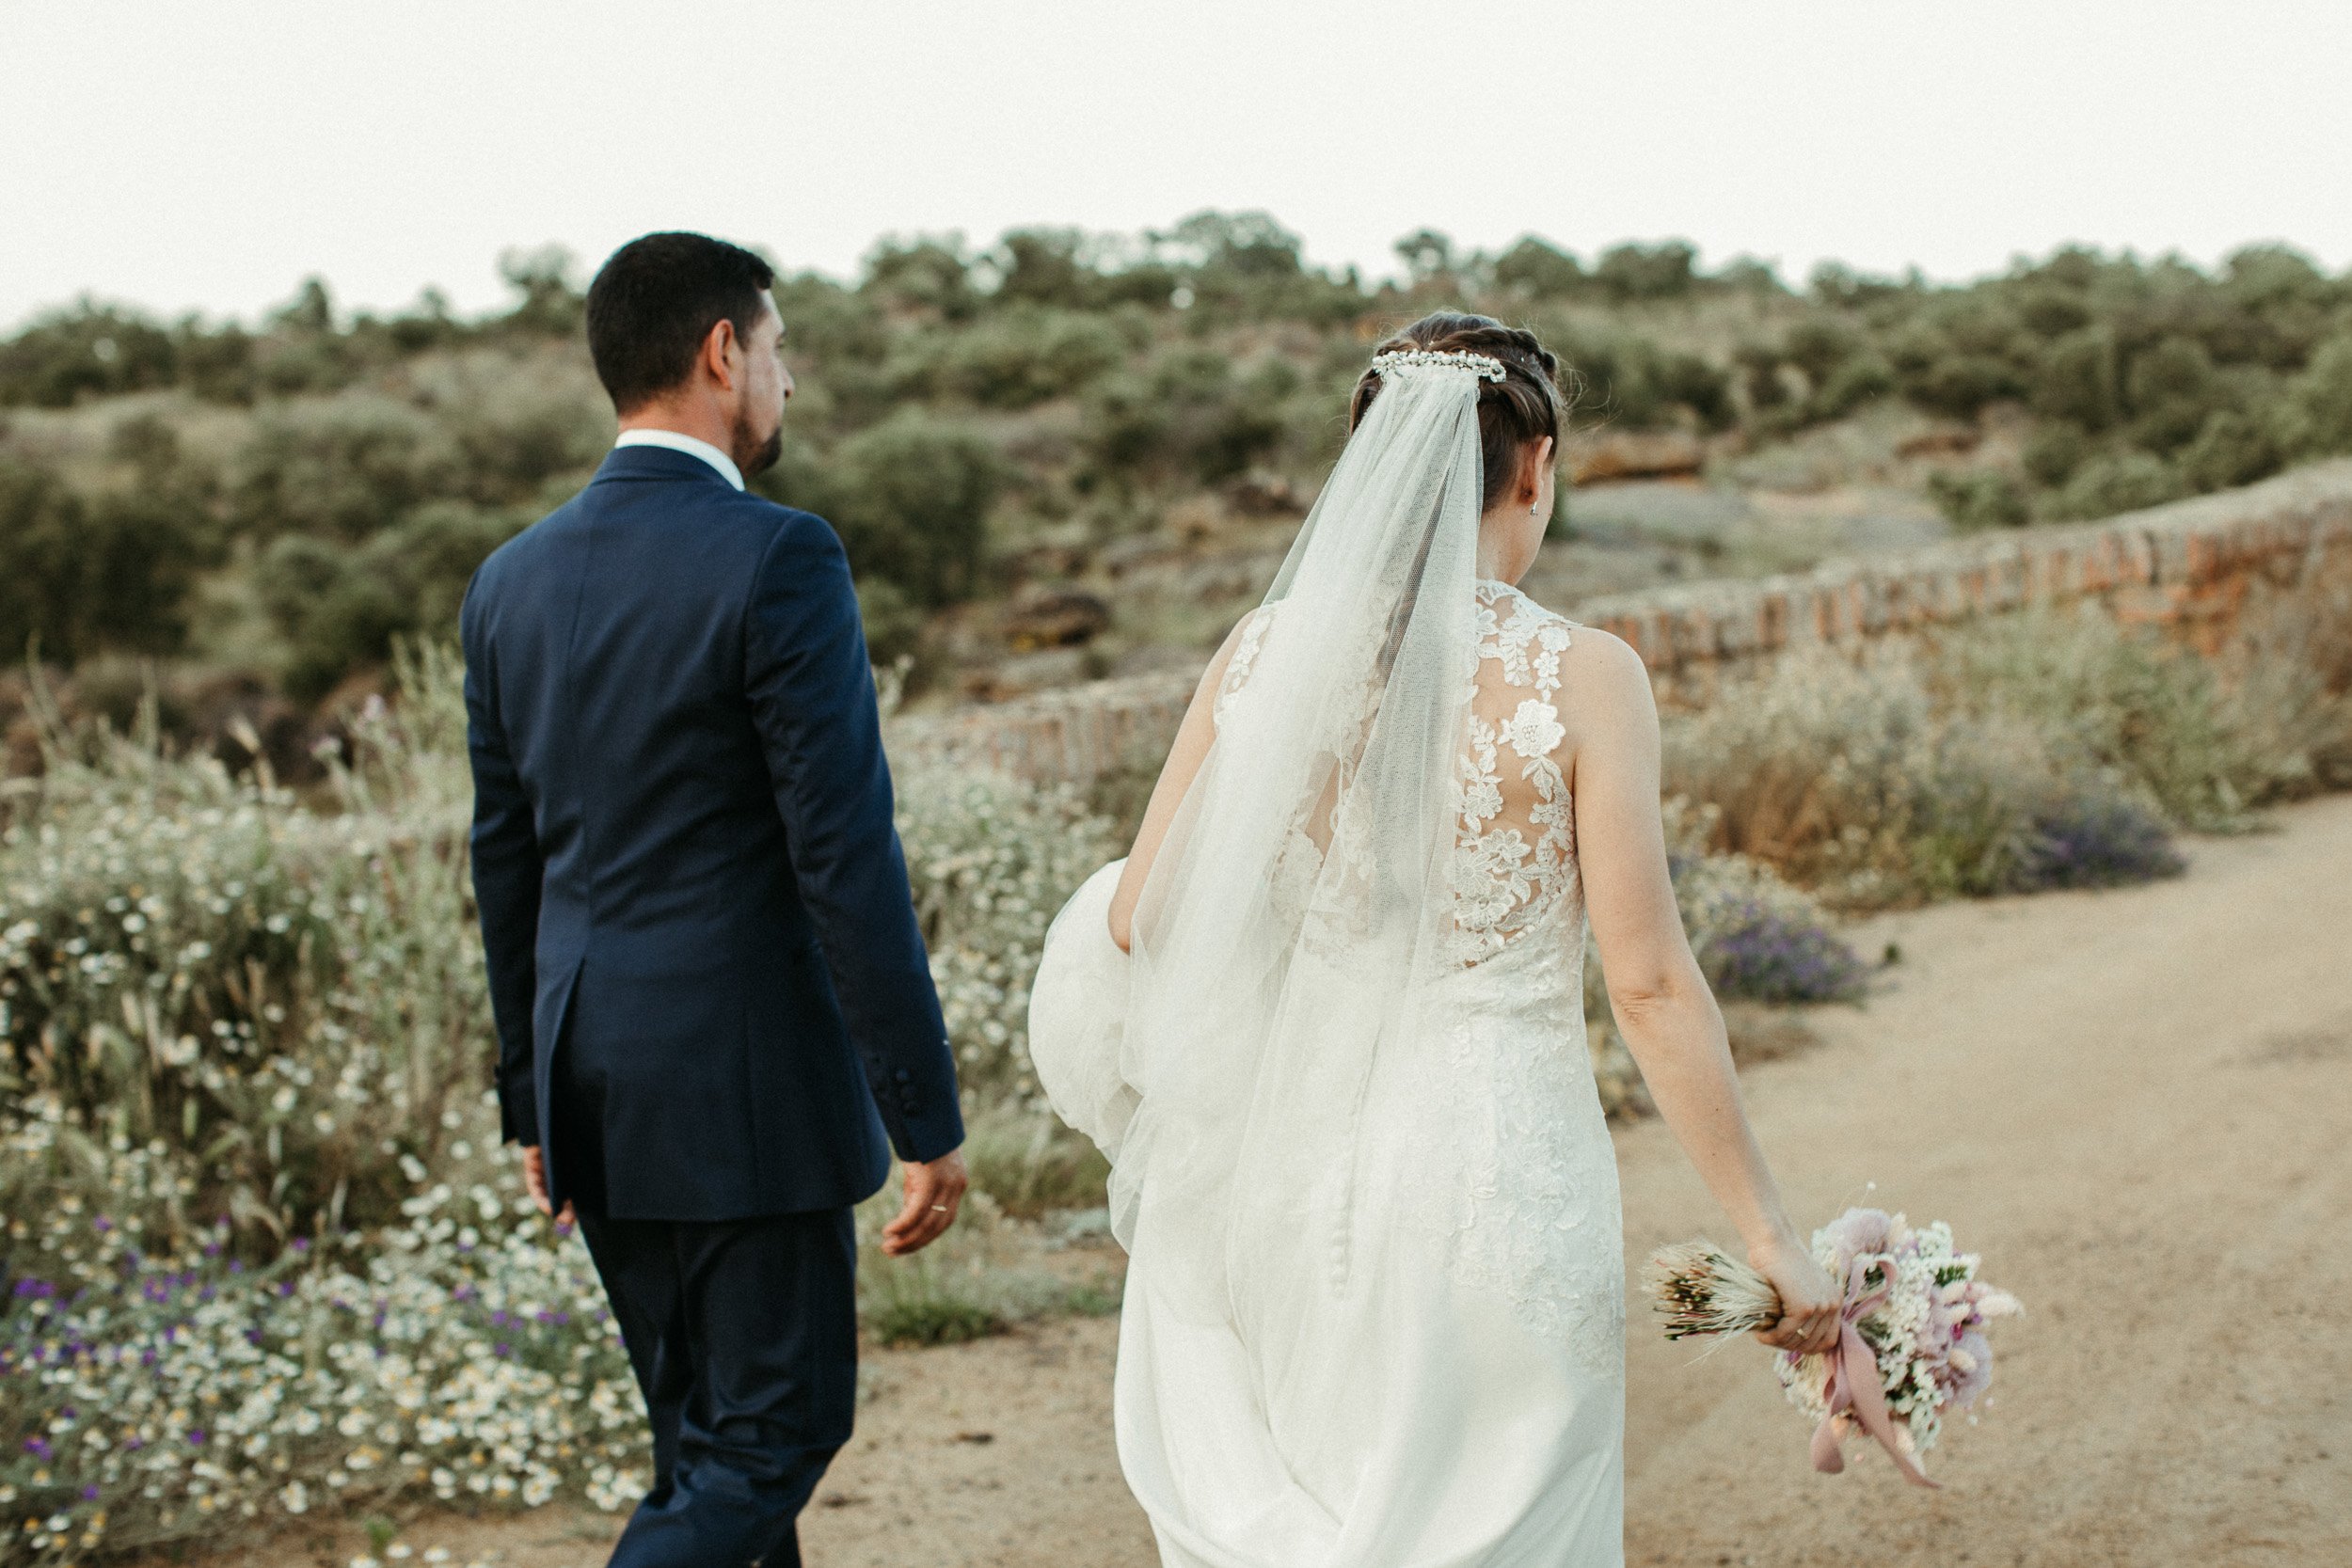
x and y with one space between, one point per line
1854 1391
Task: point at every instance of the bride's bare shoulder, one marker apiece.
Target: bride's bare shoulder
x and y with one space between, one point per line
1597 667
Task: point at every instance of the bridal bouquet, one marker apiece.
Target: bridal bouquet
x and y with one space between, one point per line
1912 1341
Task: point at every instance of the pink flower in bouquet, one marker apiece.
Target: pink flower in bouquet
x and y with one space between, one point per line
1971 1362
1849 1236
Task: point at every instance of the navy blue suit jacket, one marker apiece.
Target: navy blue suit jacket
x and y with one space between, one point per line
683 851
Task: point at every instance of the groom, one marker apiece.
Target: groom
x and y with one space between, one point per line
715 1016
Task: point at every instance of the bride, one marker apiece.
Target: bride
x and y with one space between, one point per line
1327 1021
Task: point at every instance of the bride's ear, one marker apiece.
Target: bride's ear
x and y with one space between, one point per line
1535 461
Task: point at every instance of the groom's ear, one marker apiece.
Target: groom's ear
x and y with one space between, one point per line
722 354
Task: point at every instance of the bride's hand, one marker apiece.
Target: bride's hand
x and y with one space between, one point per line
1809 1302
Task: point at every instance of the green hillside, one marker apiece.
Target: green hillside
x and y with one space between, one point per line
1070 455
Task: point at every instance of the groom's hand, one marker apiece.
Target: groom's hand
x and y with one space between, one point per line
934 1192
535 1178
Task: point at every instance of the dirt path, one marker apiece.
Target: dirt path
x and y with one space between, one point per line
2137 1104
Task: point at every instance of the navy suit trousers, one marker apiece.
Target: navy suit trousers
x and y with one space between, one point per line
743 1336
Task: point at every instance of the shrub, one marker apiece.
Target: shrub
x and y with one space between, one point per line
2054 452
993 862
546 302
1690 382
293 1006
1027 354
1854 781
1998 812
2287 691
87 575
1761 377
2114 482
1851 384
40 524
1189 414
2318 417
2171 389
910 497
2039 751
464 1354
217 366
1979 499
88 351
973 1281
1247 266
2231 449
892 619
1661 271
333 614
514 421
926 278
1631 380
2093 839
341 467
925 1304
343 607
1538 270
1757 937
1048 266
2078 380
1942 378
2157 717
1030 1164
281 1010
1820 346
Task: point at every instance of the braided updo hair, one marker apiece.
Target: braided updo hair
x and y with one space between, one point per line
1525 406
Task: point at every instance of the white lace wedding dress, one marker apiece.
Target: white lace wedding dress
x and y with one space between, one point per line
1430 1372
1374 1308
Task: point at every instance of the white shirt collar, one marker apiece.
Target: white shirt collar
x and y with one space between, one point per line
647 436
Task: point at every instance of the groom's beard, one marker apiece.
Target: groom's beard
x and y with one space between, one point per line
754 456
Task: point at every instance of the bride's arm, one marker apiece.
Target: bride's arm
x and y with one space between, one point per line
1662 1002
1184 761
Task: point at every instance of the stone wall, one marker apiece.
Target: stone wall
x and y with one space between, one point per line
2193 566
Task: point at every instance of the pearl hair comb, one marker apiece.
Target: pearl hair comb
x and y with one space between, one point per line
1481 364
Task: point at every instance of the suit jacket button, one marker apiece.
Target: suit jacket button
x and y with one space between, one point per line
904 1076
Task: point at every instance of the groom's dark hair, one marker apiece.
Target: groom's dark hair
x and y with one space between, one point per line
656 299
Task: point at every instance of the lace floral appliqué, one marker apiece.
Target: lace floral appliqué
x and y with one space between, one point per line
1536 1219
1509 874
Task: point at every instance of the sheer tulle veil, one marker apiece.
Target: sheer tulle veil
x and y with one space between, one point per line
1288 940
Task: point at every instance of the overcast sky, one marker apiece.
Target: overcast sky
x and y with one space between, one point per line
180 154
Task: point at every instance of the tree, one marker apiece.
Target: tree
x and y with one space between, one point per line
1539 270
1427 255
550 303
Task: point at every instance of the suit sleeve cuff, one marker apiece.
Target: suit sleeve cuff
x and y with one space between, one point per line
932 1137
922 1118
519 1114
